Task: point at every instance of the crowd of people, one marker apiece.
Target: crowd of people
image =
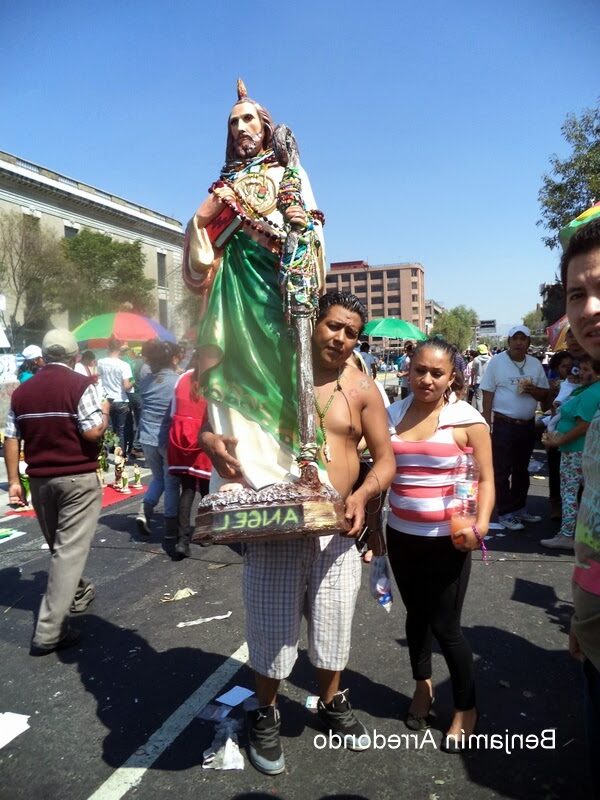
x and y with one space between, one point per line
231 417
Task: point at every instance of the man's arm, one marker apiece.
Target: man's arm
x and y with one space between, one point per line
16 495
92 415
220 450
375 430
127 377
539 390
488 400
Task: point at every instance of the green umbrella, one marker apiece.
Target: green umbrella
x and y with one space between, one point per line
392 328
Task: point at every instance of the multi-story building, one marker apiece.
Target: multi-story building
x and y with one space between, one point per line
65 206
432 310
387 290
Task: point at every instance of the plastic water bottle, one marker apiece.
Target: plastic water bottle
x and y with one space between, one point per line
465 492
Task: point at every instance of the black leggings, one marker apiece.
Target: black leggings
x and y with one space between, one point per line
432 577
189 486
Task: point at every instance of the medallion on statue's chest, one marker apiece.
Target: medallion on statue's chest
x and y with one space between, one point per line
258 192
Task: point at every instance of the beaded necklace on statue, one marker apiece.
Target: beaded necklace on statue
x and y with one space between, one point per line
322 413
253 189
233 169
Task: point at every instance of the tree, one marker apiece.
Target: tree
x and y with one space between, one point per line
456 326
32 273
537 325
553 302
535 321
188 309
574 183
105 274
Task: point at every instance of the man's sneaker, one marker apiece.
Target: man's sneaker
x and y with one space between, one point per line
511 522
525 517
559 542
264 744
339 718
83 597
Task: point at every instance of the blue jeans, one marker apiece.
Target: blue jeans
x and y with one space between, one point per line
118 419
162 480
591 707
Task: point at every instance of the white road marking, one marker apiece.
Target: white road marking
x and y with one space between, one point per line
131 773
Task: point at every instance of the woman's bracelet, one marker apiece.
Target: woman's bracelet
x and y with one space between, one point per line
479 538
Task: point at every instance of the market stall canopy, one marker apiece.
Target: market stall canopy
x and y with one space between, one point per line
130 328
393 328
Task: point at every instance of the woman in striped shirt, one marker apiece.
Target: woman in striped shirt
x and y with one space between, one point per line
430 429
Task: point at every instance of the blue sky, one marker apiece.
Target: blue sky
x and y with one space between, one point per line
425 128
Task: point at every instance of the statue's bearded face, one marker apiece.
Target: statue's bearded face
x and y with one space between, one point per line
246 130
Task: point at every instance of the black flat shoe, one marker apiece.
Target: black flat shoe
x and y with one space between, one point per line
415 723
454 744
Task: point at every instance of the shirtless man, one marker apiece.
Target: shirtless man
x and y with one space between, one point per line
316 575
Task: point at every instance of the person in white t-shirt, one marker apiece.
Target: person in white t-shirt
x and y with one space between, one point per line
87 365
370 360
513 385
478 368
116 380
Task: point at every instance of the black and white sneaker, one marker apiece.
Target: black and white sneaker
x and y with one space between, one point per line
264 745
339 718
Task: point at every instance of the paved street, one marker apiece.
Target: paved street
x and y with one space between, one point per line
117 717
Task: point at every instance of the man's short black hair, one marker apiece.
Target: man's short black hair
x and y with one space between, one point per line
365 347
586 239
344 299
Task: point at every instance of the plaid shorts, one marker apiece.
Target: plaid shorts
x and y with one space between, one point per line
284 581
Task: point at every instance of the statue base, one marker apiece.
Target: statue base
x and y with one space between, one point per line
277 512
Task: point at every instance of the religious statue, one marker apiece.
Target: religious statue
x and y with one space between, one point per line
137 478
254 251
119 468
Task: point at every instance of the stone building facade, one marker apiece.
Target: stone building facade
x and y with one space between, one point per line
64 206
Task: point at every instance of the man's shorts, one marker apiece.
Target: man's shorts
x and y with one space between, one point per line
284 581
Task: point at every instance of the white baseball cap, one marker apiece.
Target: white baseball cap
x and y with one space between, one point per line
520 329
31 352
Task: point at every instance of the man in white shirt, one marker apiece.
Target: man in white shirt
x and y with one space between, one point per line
478 368
116 380
370 360
512 386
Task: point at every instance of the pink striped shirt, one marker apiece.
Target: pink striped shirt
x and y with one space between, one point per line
422 492
421 496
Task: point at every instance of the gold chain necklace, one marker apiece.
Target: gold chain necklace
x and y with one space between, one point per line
322 413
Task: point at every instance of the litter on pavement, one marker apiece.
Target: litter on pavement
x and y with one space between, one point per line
235 696
201 620
214 713
224 752
180 594
11 725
